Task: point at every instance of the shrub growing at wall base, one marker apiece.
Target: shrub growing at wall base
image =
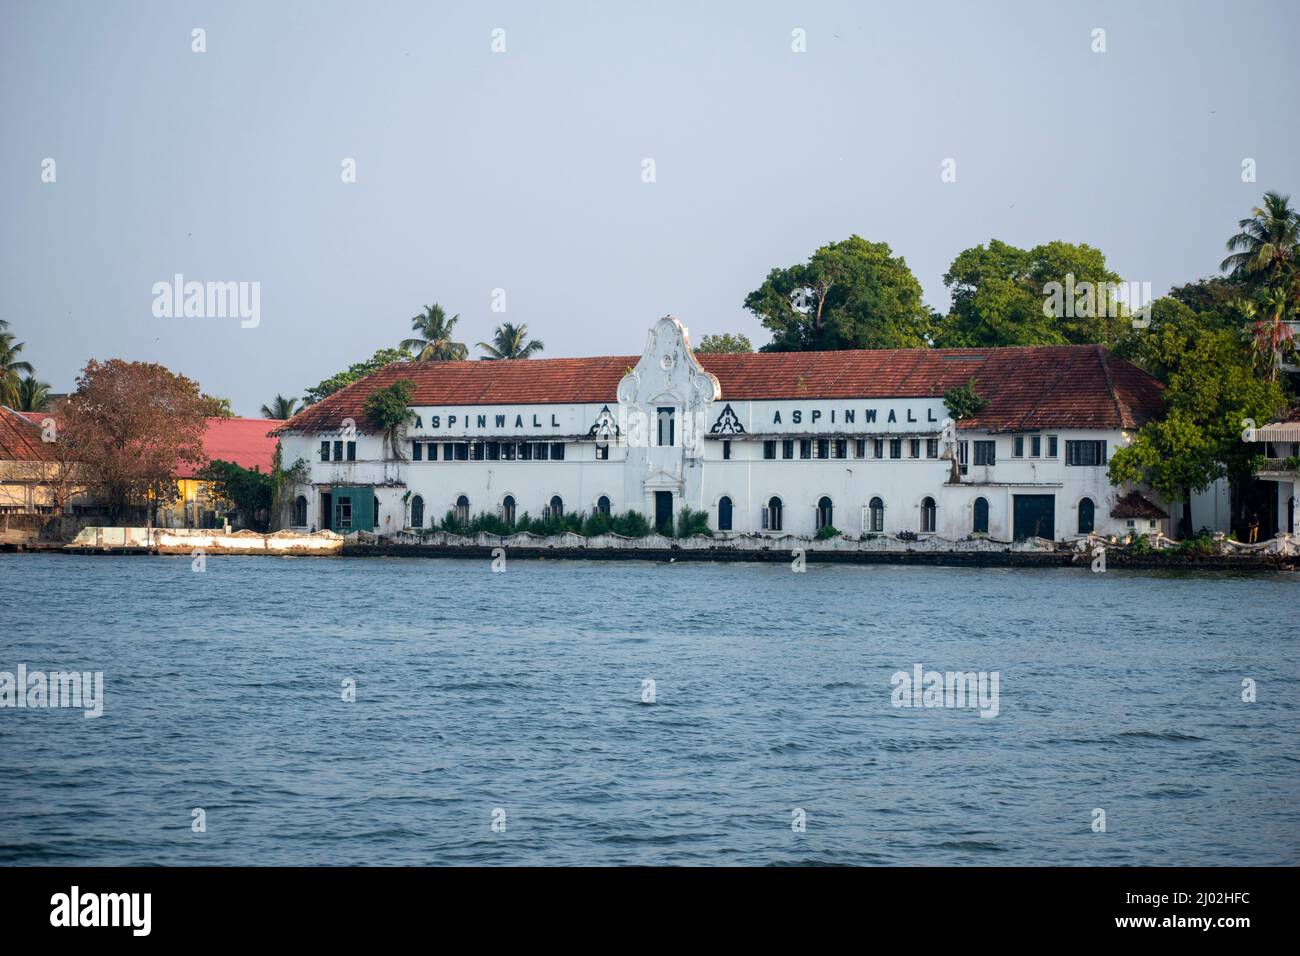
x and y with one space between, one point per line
691 522
630 524
828 531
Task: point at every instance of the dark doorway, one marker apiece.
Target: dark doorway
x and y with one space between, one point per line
664 512
1035 517
326 511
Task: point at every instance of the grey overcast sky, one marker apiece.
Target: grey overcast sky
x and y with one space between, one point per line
522 170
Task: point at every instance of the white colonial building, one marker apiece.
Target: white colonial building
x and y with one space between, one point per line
765 443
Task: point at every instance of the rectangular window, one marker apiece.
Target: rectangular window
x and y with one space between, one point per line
417 450
344 517
963 455
1018 450
667 418
878 449
324 451
602 451
493 450
823 448
895 448
860 447
769 448
338 451
477 452
787 448
462 450
1051 446
805 448
1036 446
557 451
932 448
726 449
1085 452
541 451
840 448
914 448
524 451
986 453
352 451
433 451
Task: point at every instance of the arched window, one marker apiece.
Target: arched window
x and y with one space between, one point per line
417 512
772 514
877 522
508 509
825 511
300 511
927 515
1087 511
462 510
556 509
602 505
724 513
981 523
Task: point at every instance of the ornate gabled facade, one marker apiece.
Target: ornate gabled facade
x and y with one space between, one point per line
766 443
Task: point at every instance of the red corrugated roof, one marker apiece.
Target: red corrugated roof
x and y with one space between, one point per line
245 441
1071 386
20 438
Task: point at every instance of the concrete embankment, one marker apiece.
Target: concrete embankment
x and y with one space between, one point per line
1116 560
99 540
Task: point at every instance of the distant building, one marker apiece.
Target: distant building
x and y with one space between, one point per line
245 441
35 477
765 443
1281 449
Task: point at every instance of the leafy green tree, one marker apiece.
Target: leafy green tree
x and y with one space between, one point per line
354 373
1211 390
1267 247
281 409
249 490
11 367
852 294
725 344
963 401
511 342
434 342
1001 295
388 409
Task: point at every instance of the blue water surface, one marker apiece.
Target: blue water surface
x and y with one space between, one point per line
523 692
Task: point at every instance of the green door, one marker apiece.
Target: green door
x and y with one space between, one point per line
352 509
1035 516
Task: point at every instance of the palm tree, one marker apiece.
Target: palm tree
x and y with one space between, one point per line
434 343
282 408
32 395
1270 337
1269 242
511 342
10 367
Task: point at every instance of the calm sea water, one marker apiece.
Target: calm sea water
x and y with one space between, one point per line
523 691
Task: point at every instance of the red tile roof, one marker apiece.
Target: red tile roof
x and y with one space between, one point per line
245 441
20 439
1071 386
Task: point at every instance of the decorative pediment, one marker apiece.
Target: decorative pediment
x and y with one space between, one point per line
668 369
728 423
